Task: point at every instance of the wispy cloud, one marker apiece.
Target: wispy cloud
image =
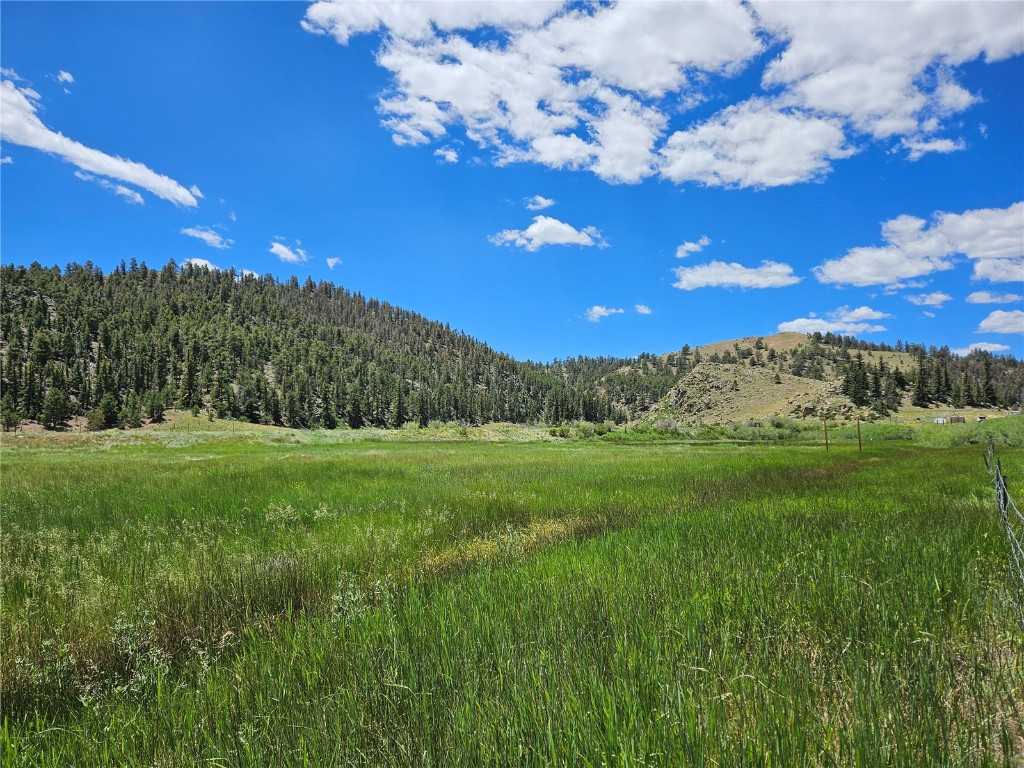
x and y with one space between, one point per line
539 203
719 274
595 313
987 297
118 189
332 262
209 236
643 309
19 124
548 231
933 299
65 77
6 160
293 255
688 247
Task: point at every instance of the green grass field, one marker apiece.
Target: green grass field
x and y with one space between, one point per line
273 598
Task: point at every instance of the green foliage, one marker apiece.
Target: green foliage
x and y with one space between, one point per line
10 416
467 604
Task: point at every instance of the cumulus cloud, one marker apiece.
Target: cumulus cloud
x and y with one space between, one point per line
984 346
539 203
447 154
886 68
548 231
689 247
19 124
593 86
841 320
933 299
332 262
999 270
209 236
293 255
755 144
1001 321
203 263
993 237
65 77
719 274
129 195
6 160
595 313
643 309
987 297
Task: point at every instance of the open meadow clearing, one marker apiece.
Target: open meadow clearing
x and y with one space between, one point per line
226 600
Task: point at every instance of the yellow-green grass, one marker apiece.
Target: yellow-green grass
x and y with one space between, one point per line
236 603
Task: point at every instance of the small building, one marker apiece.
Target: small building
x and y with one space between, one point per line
940 419
957 420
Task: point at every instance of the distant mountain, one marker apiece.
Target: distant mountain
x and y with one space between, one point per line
122 347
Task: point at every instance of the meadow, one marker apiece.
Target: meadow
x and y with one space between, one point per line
275 598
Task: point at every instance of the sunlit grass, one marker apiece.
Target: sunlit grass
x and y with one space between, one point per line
578 603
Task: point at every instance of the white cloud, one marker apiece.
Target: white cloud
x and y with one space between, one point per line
19 124
118 189
6 160
994 237
987 297
841 320
65 77
209 236
232 216
248 273
754 144
771 274
926 313
918 148
933 299
643 309
447 154
886 68
689 247
596 312
593 86
539 203
293 255
984 346
203 263
999 270
563 86
332 262
548 231
1001 321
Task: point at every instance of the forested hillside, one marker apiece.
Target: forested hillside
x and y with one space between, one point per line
123 347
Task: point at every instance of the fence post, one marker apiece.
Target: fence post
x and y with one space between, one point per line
825 422
860 444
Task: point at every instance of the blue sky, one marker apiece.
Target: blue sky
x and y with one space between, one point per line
552 179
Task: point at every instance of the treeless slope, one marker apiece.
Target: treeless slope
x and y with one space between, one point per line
717 393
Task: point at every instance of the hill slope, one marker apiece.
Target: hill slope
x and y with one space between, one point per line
124 346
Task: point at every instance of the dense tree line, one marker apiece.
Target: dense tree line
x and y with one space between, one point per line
125 346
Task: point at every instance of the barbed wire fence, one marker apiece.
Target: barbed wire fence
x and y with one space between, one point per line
1013 523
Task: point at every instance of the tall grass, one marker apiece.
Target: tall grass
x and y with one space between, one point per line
240 604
